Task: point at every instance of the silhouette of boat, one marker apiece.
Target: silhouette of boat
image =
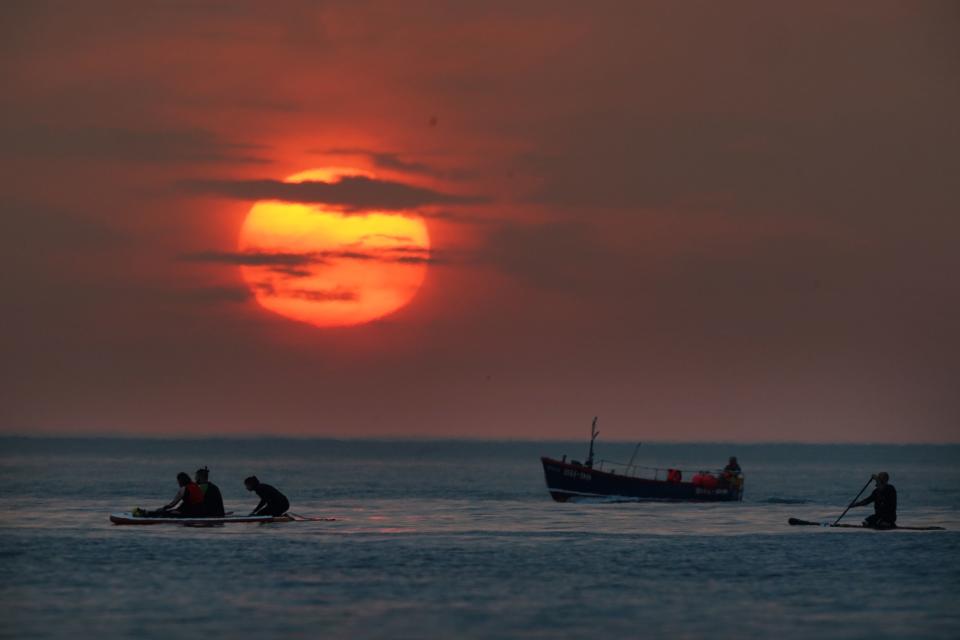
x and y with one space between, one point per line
615 481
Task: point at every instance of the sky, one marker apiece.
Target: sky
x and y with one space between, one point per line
698 221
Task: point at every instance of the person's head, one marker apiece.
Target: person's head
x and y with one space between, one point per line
733 460
251 483
882 478
183 479
202 475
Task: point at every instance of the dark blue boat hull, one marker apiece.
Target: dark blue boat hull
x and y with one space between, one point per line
567 481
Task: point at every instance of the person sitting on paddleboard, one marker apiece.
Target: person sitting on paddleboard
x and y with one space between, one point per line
212 498
884 499
189 497
272 502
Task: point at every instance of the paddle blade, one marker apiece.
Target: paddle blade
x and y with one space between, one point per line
299 518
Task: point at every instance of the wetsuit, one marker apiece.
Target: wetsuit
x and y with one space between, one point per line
212 500
272 502
884 501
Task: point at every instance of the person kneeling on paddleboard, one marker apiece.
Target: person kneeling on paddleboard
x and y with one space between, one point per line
189 497
884 499
272 502
212 498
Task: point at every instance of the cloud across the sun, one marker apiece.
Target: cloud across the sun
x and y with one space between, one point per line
351 193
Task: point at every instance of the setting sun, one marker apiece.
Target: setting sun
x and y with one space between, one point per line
331 268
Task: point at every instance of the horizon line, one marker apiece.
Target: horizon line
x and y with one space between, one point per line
464 439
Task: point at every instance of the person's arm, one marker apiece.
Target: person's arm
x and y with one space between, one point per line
263 503
870 498
176 500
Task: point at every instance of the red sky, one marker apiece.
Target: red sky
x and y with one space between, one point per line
698 220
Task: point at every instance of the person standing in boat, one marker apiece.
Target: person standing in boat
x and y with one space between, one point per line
188 501
884 499
212 498
731 473
272 502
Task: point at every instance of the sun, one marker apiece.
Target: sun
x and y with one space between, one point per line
329 268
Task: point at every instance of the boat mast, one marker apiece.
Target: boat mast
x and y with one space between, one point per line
634 456
593 436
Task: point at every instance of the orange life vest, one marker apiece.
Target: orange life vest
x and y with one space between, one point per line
193 494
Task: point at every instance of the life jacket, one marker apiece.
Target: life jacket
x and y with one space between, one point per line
674 475
193 494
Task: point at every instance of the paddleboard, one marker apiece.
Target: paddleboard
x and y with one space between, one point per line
798 522
129 518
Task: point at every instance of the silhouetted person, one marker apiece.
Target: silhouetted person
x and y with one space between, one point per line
731 472
189 498
884 499
272 502
212 498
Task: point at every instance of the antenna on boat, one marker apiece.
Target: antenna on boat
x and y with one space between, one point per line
593 436
635 449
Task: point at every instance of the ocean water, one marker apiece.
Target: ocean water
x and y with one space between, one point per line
454 539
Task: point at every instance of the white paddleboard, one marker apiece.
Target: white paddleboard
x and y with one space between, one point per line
129 518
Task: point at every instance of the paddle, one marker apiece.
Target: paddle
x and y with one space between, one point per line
852 502
299 518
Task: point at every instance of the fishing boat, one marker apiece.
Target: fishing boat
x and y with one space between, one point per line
131 518
616 481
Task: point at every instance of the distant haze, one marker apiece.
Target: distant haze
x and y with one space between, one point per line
700 221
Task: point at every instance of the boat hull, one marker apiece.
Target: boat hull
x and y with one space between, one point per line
567 481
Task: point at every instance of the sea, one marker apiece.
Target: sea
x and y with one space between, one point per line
460 539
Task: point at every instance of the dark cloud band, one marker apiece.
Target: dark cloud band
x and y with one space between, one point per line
295 264
351 193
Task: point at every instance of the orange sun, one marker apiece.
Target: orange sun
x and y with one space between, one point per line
330 268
